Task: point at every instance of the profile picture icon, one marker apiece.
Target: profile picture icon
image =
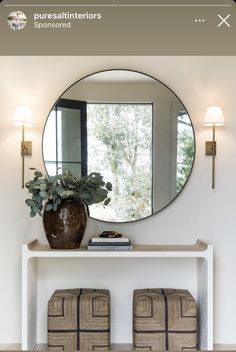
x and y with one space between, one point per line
16 20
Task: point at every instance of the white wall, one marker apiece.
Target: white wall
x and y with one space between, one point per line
197 212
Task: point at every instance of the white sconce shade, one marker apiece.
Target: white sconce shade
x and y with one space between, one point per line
23 117
214 116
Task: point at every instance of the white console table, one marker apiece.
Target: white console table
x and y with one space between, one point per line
201 251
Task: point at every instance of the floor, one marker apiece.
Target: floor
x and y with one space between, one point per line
121 347
43 347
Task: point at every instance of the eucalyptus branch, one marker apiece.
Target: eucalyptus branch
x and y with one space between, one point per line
51 190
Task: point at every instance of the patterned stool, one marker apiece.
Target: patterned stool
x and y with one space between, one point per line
79 319
164 319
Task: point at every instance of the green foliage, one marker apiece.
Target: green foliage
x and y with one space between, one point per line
185 157
91 189
120 145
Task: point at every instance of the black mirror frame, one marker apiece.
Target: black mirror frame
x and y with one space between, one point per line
163 84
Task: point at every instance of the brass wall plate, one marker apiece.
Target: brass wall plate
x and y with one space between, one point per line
26 148
210 148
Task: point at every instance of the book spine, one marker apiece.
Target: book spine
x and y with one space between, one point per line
110 240
110 248
109 244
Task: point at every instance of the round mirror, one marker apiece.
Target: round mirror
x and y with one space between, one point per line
132 129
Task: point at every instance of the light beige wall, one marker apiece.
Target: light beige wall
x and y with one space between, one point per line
198 212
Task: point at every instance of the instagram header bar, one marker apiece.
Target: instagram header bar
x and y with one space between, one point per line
118 28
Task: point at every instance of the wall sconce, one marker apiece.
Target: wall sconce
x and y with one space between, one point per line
213 117
23 117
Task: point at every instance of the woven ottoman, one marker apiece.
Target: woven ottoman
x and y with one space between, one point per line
79 319
164 319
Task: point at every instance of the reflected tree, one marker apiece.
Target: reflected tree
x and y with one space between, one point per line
120 140
185 150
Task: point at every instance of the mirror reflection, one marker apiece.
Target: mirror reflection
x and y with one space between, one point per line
133 130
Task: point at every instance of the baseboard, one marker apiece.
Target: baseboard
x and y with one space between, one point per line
224 347
10 346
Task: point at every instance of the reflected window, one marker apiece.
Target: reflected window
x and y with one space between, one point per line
185 149
65 142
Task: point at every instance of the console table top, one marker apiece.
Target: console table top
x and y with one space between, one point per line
199 249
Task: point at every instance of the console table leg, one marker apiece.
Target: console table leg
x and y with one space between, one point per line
29 303
205 302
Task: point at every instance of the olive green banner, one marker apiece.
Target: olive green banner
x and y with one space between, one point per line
122 27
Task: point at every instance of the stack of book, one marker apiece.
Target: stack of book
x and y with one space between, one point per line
110 244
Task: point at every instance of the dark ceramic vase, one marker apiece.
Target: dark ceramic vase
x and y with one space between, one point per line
65 227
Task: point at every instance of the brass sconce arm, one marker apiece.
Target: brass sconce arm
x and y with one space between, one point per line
23 118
